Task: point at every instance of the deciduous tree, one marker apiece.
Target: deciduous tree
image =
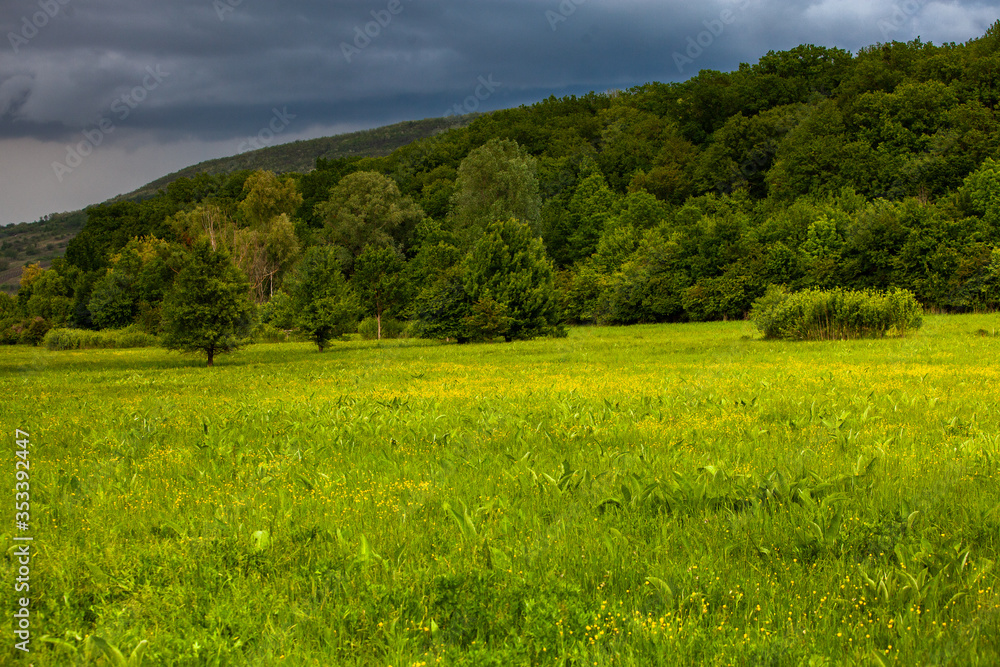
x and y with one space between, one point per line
325 304
378 281
367 208
496 182
208 310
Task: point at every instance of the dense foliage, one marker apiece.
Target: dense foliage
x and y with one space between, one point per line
81 339
323 304
813 168
836 314
208 309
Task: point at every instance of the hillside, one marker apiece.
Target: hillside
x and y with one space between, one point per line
31 242
301 156
46 240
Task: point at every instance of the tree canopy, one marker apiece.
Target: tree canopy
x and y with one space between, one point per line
208 309
324 304
811 168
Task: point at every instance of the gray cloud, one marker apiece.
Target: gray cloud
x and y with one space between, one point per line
228 63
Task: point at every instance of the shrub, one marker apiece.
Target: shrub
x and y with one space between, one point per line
836 314
32 331
279 312
489 318
8 336
268 333
80 339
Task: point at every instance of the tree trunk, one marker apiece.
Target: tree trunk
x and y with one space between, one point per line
211 357
378 318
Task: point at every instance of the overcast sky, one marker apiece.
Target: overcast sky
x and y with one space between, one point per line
98 97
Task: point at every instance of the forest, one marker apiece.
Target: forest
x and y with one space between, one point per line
667 202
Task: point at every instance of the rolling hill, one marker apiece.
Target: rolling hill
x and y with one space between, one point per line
46 239
301 156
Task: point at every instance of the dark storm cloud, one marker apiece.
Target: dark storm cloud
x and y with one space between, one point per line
67 66
384 59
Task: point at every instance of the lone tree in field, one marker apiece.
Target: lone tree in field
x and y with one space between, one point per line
208 309
325 306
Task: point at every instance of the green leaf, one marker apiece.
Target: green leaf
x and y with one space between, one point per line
98 574
115 656
609 503
464 522
55 641
135 660
261 540
663 587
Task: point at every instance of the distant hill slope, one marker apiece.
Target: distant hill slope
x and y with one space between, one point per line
301 156
31 242
44 241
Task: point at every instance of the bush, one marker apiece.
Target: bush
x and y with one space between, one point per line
80 339
836 314
7 334
368 328
27 332
279 312
31 331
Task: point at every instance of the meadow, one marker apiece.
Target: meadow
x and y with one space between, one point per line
650 495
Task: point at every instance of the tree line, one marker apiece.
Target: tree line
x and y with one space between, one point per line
813 168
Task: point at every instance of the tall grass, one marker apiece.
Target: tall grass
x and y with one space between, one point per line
836 314
81 339
657 495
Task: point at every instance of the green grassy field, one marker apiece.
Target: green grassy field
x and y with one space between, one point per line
672 495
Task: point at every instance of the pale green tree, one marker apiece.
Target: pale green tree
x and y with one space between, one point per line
366 208
496 182
267 196
264 245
